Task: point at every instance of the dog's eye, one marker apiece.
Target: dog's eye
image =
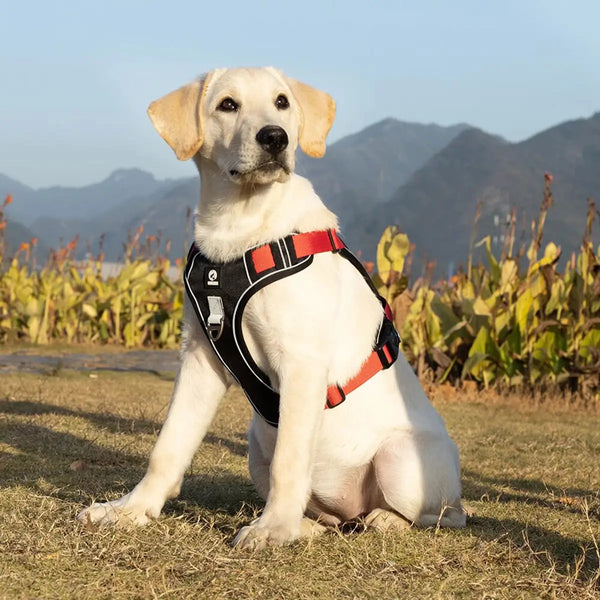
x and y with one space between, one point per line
228 105
282 102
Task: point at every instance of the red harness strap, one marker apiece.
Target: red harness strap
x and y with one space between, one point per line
315 242
377 361
305 244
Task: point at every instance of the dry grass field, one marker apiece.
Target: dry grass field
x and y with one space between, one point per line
531 475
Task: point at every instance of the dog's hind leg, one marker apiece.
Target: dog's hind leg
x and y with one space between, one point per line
418 474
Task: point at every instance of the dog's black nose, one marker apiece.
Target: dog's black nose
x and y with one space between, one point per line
273 139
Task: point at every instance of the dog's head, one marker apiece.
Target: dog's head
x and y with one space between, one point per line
248 122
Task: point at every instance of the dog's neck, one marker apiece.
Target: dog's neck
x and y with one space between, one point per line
233 218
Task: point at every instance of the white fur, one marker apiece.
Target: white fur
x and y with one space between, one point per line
385 449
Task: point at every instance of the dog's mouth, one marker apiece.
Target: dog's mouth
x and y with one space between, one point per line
271 166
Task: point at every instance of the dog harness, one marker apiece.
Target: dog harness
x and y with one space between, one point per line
220 291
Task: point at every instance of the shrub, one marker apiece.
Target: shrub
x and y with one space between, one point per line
502 322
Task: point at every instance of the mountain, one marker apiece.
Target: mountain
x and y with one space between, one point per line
425 178
165 215
12 186
357 171
85 203
16 234
436 206
431 207
365 168
116 223
57 214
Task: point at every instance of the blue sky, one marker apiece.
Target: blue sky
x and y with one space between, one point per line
76 77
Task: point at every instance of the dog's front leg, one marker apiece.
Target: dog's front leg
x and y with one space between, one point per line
200 385
303 392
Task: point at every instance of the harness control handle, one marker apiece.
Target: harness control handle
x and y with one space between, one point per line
216 317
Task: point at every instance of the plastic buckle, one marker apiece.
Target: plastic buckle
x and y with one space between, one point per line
216 317
388 350
386 362
332 403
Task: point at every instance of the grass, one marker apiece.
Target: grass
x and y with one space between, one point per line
531 474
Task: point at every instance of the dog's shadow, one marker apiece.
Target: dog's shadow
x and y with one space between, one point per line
223 493
106 421
556 551
529 491
80 470
562 552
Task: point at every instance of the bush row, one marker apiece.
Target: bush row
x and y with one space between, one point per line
516 320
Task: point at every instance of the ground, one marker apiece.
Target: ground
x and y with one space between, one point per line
531 474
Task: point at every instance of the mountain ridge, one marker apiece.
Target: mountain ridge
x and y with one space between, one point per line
477 166
361 169
425 178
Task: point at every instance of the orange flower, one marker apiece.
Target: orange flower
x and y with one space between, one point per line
24 246
33 241
178 262
8 200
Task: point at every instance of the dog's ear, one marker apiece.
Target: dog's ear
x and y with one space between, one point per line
318 112
178 117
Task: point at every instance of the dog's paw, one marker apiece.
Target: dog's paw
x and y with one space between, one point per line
256 536
310 528
123 512
384 520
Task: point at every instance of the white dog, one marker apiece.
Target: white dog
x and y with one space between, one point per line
384 453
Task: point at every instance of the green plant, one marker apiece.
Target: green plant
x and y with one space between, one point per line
70 300
497 324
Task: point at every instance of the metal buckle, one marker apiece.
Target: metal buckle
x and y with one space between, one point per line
216 317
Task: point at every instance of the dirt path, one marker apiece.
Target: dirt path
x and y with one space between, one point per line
134 360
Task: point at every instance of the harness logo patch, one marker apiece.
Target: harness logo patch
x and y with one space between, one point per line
212 277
